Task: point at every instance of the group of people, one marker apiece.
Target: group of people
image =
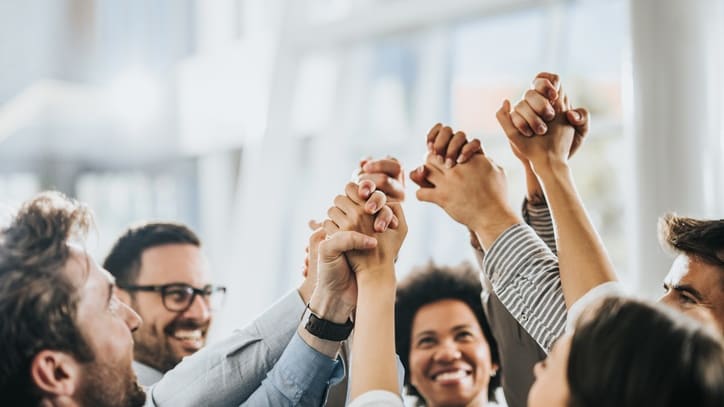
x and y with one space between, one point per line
541 315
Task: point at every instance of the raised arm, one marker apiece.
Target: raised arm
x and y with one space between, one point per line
373 351
584 263
535 111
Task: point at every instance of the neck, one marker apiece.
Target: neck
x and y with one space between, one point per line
59 401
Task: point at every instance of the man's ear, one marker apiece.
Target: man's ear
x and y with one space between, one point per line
55 373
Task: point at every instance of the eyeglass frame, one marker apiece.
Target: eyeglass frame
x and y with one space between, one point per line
206 291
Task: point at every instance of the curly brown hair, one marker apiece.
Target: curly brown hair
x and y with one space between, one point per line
38 302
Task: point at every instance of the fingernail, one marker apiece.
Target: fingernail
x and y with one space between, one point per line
371 206
429 146
550 112
380 225
576 115
542 129
420 169
459 160
449 163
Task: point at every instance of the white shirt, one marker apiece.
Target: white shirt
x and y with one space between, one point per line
377 398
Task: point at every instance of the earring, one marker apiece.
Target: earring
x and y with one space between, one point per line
493 373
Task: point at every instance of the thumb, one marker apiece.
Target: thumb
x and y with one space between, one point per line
341 242
427 195
579 118
506 122
314 224
419 177
399 214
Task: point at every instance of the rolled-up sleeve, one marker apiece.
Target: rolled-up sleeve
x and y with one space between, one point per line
525 276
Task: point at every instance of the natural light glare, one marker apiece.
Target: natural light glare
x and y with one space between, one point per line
135 98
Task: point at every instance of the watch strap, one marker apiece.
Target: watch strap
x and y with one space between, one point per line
323 329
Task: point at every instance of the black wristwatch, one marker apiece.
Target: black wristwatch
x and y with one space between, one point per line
323 329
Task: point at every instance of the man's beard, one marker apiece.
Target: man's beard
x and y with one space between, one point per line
155 350
106 385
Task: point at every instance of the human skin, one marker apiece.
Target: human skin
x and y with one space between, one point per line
166 336
106 323
450 362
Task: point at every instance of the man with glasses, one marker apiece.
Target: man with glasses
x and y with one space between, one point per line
164 276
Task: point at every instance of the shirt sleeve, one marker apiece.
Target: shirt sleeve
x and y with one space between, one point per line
301 377
538 216
377 398
525 276
229 371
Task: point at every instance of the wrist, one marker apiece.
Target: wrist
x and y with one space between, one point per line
488 221
550 165
330 307
306 289
380 276
490 227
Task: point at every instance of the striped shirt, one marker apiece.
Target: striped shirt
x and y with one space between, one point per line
538 216
523 269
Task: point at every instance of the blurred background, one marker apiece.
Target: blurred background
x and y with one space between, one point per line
244 118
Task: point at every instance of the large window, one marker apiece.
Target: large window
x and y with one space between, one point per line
378 96
122 198
585 42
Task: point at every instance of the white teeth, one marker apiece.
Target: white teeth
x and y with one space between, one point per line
457 374
188 335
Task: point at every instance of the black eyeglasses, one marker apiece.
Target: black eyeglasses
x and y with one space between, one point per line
178 297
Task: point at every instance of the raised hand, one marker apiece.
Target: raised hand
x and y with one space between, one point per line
544 150
538 107
387 175
335 281
374 204
453 148
474 193
309 271
349 214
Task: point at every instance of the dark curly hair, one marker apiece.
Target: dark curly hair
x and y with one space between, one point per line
429 284
38 302
630 353
124 259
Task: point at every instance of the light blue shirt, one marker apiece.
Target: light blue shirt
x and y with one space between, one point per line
301 377
263 364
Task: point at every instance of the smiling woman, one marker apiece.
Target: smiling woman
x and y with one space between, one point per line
443 338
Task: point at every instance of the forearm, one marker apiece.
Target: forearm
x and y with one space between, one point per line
489 226
299 378
584 263
373 349
203 378
534 189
